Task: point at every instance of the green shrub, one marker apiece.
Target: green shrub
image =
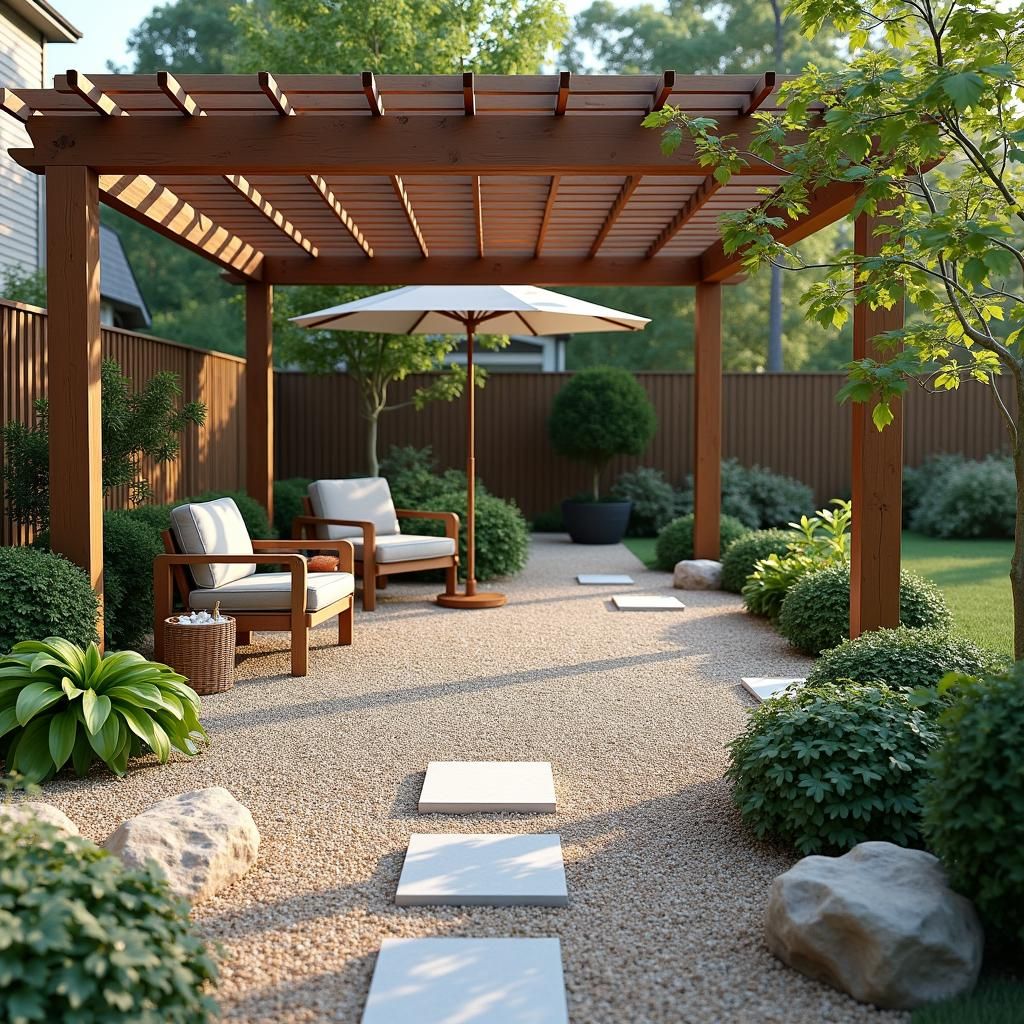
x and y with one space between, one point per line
549 521
90 941
756 496
743 554
129 546
675 542
972 499
61 704
254 514
919 480
833 766
288 503
44 594
601 412
156 517
903 659
410 475
974 799
654 500
816 612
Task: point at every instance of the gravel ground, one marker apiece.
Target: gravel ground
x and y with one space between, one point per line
666 889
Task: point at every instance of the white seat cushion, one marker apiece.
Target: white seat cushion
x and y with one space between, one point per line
272 591
367 499
401 547
213 528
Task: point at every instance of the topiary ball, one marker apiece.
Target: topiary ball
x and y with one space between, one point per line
96 941
815 614
833 766
743 554
675 542
903 659
44 595
974 799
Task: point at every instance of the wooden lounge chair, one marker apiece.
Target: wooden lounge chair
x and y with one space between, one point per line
362 511
211 558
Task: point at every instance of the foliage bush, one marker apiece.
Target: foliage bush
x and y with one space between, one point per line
90 941
129 547
654 501
288 503
742 555
254 514
919 480
832 766
974 798
969 499
42 594
60 703
758 497
903 659
675 542
601 412
815 542
549 522
410 473
815 614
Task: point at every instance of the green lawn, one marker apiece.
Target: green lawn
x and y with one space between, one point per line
973 574
992 1002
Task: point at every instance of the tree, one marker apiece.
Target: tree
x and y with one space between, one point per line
186 36
135 425
373 361
927 117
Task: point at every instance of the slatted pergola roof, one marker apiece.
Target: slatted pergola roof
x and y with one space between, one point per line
544 179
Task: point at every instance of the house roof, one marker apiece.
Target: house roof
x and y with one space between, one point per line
55 28
117 281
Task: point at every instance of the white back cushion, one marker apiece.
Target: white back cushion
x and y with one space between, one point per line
213 528
368 499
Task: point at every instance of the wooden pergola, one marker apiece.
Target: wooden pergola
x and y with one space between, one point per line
401 179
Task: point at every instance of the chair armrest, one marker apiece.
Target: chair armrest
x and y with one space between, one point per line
299 523
296 565
344 549
450 519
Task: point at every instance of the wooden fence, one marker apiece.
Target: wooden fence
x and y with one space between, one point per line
213 457
788 422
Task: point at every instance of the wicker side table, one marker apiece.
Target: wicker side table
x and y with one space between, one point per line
204 654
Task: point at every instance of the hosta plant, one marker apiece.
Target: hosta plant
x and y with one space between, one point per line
60 704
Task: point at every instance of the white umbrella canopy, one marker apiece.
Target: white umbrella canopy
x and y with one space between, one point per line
450 309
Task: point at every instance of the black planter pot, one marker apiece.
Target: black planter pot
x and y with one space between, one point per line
596 522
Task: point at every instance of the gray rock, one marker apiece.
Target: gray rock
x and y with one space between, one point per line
879 923
30 810
697 574
203 841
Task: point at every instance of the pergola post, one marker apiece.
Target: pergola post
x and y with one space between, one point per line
74 358
877 473
707 434
259 394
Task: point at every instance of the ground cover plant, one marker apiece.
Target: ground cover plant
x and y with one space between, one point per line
835 765
88 941
60 704
675 542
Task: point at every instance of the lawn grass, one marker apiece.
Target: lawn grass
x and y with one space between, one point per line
992 1002
973 574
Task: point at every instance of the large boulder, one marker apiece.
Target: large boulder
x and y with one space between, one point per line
31 810
880 923
203 841
697 574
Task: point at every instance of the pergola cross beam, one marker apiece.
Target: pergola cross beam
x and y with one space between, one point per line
248 191
93 95
340 212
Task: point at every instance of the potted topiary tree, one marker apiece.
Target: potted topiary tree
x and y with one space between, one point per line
602 412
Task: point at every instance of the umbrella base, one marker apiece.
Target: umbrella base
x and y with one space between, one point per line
483 599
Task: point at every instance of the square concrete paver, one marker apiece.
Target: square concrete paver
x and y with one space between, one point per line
483 870
604 580
762 688
467 981
472 787
647 603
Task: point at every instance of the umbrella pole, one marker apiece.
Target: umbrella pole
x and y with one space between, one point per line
471 598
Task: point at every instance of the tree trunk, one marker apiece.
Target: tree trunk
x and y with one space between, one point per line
775 360
372 463
597 483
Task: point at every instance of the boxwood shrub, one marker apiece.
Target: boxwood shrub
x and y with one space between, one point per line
969 499
974 799
675 542
44 594
254 514
743 554
833 766
288 503
129 547
815 614
87 940
759 497
655 503
903 659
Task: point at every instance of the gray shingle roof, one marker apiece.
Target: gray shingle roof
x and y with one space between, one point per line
117 282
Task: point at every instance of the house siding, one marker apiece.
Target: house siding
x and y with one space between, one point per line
21 64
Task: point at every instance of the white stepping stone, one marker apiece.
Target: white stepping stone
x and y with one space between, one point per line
483 870
467 981
647 603
473 787
599 580
761 688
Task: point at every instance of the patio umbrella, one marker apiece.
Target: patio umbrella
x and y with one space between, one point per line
447 309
